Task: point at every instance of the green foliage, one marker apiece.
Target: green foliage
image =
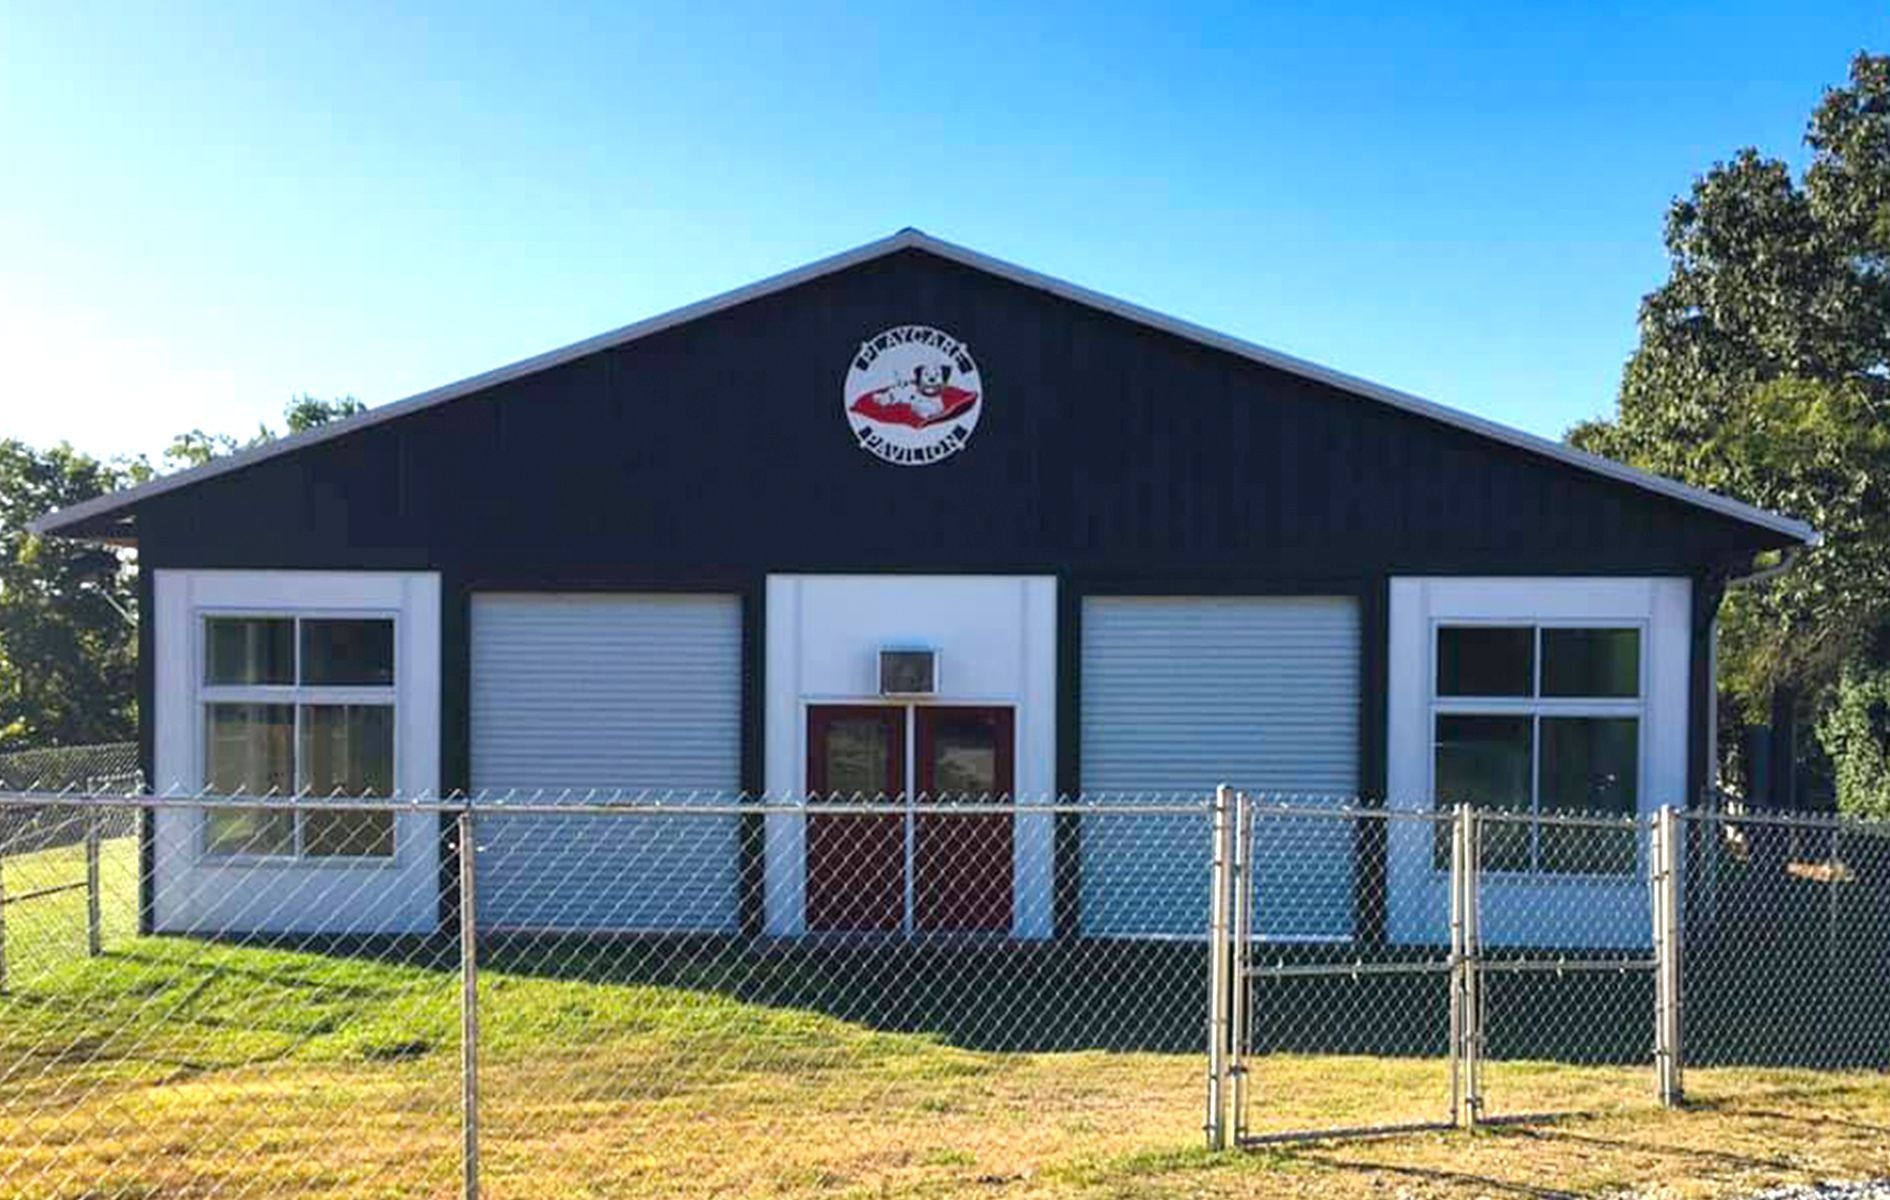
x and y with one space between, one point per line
68 642
1856 733
195 448
1763 371
306 412
68 623
1821 450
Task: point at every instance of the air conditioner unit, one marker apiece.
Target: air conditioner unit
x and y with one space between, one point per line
905 672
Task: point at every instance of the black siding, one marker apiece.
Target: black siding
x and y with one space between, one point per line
1115 456
718 448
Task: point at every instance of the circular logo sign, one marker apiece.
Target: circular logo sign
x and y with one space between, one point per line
913 395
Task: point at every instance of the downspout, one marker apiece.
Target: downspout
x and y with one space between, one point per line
1713 788
1788 559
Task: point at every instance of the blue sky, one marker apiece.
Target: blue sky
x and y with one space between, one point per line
207 209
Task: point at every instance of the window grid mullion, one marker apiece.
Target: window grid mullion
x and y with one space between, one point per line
1535 792
295 748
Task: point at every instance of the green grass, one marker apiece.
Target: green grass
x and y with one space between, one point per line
180 1068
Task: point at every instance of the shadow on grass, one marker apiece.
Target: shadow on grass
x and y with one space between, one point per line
190 1007
1041 995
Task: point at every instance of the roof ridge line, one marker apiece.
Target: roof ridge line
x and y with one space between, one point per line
910 237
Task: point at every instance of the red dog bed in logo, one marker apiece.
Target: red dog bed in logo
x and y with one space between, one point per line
905 404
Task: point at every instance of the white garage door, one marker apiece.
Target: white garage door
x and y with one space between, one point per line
1182 693
608 693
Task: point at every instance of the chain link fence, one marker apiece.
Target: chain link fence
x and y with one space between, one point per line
104 768
554 995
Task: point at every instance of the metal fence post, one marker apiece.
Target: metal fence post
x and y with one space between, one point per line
3 921
1466 998
1473 965
468 1011
1218 994
1238 1031
1664 836
94 907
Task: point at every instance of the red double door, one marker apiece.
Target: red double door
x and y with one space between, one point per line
927 867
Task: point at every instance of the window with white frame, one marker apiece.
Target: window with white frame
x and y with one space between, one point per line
298 704
1537 719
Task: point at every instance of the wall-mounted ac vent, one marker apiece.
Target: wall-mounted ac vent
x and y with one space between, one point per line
908 672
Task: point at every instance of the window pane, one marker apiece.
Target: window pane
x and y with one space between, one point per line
249 748
1486 761
240 650
352 834
352 651
1485 660
248 831
1591 662
1590 765
348 749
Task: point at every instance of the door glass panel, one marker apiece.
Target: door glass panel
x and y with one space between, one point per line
965 759
856 759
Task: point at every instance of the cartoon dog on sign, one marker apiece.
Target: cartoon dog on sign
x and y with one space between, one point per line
924 393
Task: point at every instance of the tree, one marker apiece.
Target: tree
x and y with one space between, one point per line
306 412
1855 732
195 448
68 637
68 609
1763 371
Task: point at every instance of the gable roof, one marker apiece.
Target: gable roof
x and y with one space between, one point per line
912 239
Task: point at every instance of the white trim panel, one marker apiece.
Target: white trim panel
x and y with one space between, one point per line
198 894
1539 910
996 636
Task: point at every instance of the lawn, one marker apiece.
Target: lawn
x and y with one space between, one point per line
177 1068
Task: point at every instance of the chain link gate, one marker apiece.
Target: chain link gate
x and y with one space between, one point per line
1444 982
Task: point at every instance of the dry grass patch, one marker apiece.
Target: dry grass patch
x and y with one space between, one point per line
178 1068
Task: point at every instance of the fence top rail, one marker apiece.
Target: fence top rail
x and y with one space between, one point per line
601 802
1574 820
1833 822
704 803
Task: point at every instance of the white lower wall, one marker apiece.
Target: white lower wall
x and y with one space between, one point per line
197 894
996 638
1523 909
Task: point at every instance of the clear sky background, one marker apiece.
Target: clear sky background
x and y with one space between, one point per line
205 210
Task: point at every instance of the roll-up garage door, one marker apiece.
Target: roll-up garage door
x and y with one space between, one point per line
578 694
1182 693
